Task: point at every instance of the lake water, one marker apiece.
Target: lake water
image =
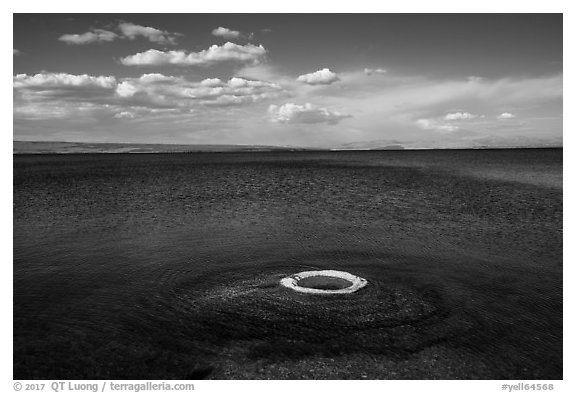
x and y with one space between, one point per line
159 266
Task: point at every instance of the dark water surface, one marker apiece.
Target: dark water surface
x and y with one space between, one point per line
159 266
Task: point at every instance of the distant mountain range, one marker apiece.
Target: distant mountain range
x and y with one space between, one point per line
23 147
372 145
476 143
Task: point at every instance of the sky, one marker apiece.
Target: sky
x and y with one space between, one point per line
304 80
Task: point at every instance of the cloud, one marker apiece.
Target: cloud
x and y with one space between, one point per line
445 125
60 95
157 90
126 89
157 78
211 82
226 33
62 80
52 95
16 52
127 30
96 35
267 72
320 77
460 116
131 31
304 114
370 71
427 124
154 96
124 115
213 91
215 54
412 109
506 115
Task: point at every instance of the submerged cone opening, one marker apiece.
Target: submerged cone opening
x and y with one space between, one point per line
324 282
330 282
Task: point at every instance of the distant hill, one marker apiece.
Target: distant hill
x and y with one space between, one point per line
21 147
371 145
490 142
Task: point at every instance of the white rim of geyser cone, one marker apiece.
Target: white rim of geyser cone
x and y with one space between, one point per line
292 282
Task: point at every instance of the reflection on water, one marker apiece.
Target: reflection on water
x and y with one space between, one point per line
125 265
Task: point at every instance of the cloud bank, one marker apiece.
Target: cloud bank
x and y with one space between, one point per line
41 93
127 30
215 54
415 110
304 114
131 31
45 81
96 35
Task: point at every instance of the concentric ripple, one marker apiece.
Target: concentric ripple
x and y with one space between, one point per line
273 321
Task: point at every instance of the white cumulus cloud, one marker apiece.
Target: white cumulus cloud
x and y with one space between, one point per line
157 78
131 31
126 29
215 54
126 89
166 91
506 115
212 82
226 33
96 35
320 77
236 90
460 116
305 114
61 95
61 80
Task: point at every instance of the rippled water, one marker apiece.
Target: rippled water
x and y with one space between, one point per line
167 265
